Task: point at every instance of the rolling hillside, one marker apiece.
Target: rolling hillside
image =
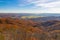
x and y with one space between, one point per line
19 29
29 27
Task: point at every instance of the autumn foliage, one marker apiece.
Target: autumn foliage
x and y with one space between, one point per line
19 29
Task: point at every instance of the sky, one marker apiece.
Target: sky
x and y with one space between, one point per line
29 6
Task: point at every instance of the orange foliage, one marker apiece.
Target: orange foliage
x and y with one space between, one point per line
26 30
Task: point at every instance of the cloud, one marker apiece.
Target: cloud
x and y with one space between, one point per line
45 6
49 5
25 2
28 2
41 6
53 10
41 3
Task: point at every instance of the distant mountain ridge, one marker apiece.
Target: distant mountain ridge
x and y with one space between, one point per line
34 17
28 14
46 18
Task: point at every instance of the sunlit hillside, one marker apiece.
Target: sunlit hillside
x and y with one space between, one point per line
20 29
29 17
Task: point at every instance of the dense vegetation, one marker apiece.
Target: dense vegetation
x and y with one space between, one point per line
15 29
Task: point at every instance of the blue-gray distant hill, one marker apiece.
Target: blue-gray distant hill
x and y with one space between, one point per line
46 16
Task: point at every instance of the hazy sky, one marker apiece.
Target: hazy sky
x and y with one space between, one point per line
29 6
